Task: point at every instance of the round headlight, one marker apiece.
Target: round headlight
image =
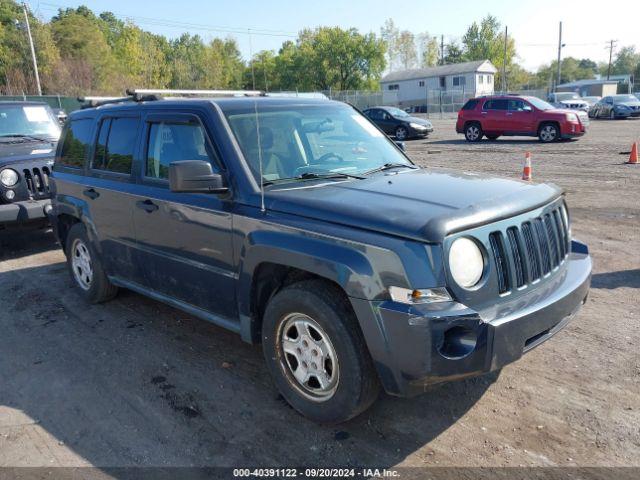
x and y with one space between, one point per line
8 177
466 262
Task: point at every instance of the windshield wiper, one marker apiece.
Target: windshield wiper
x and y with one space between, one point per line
389 166
313 176
32 137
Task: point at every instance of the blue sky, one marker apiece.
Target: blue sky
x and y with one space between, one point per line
587 25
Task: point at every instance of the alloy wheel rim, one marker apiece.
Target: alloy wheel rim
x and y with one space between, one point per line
81 264
472 133
401 134
309 359
548 133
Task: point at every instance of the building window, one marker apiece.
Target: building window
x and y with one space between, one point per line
443 82
480 79
394 86
489 79
459 81
421 83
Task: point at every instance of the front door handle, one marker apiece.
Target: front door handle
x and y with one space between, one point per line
91 193
147 205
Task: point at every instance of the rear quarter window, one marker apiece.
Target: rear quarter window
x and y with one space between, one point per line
77 139
470 105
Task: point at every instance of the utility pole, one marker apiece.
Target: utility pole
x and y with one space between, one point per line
560 45
504 62
253 73
441 49
33 50
612 43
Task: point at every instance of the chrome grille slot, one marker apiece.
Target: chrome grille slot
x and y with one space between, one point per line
532 252
543 242
553 241
500 261
513 234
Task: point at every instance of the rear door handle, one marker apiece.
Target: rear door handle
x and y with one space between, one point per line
147 205
91 193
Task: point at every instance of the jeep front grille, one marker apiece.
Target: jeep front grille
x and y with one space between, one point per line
524 253
37 180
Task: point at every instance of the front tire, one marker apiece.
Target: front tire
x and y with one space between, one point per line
612 115
473 132
85 267
316 353
548 133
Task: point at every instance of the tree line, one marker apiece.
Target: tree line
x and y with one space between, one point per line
81 53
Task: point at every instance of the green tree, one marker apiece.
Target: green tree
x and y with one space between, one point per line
429 50
486 42
453 53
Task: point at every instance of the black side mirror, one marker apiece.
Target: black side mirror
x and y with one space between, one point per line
401 145
195 176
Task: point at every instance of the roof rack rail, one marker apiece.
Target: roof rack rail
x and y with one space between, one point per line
90 102
195 93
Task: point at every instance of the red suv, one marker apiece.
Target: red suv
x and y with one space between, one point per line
514 115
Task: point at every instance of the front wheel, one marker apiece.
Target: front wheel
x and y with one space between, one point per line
401 133
316 354
612 115
473 132
548 133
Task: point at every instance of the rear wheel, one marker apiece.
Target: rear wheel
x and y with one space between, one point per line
548 132
473 132
85 267
316 354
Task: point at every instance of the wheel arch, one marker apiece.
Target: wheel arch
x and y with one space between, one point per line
272 260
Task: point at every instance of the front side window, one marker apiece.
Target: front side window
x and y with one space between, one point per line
495 104
28 120
76 141
172 142
310 139
115 145
516 105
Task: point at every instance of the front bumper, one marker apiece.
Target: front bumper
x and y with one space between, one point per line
24 212
415 346
422 132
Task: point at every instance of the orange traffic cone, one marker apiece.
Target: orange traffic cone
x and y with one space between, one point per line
633 158
526 170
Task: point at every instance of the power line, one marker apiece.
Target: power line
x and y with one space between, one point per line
187 25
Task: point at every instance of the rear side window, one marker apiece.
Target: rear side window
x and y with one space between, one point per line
76 142
495 104
115 145
172 142
470 105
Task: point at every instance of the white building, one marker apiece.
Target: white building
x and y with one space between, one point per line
411 87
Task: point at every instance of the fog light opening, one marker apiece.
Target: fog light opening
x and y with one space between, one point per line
459 341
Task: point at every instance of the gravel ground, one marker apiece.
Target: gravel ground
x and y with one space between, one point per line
134 382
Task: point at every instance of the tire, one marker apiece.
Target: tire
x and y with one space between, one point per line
314 316
612 115
473 132
548 132
402 133
493 137
85 267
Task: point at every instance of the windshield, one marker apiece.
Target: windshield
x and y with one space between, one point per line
539 104
30 120
298 140
567 96
624 98
396 112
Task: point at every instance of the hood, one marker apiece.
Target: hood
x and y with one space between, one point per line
629 104
13 152
424 205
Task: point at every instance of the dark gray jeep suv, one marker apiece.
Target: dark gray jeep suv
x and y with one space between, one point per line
298 224
28 135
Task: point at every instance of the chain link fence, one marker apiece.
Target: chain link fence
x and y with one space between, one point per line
68 104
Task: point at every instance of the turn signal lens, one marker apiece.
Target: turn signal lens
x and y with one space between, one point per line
426 295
